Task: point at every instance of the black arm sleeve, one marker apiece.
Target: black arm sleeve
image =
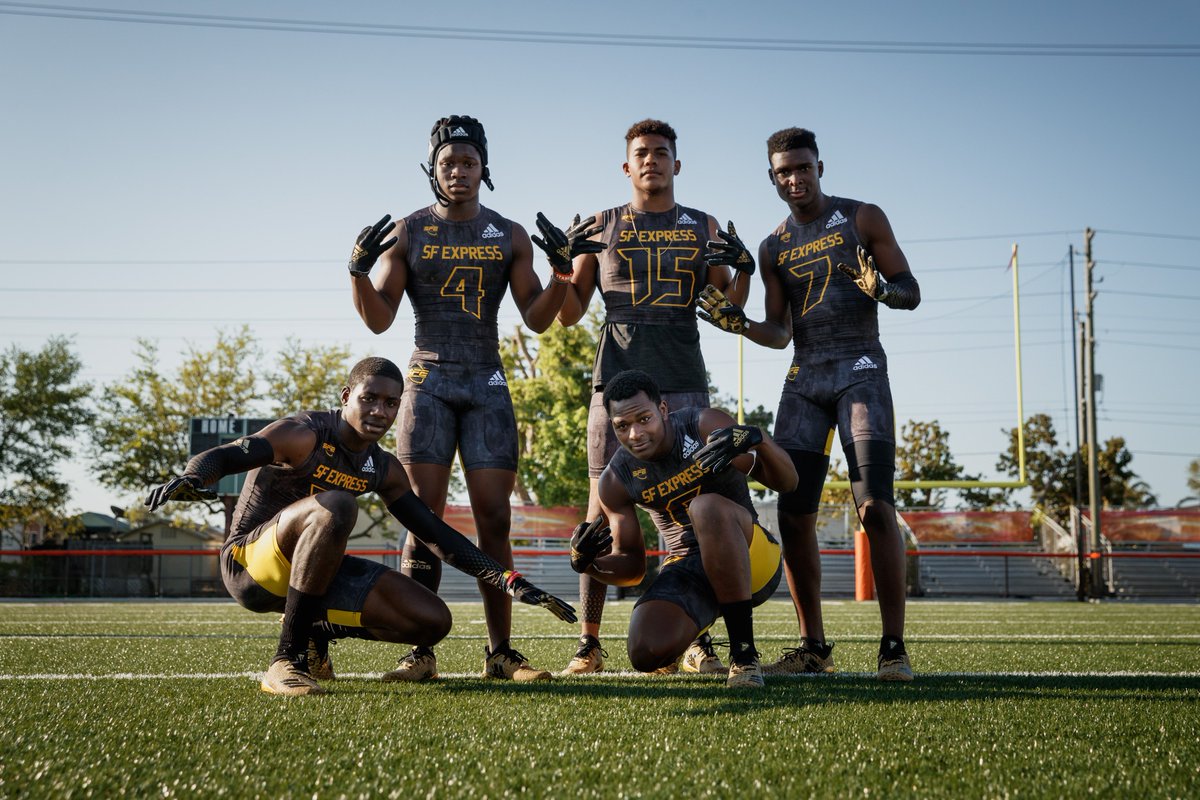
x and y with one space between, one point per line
902 291
229 459
446 543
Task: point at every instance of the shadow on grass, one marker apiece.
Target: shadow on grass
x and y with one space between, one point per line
812 690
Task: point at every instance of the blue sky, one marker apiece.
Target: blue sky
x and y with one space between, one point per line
134 151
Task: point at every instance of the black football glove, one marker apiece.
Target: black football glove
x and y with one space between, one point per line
527 593
370 245
729 252
726 444
590 541
866 277
561 248
714 307
185 488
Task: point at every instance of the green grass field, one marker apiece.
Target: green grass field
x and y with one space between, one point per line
1011 700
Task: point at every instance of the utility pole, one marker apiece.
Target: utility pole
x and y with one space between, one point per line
1089 355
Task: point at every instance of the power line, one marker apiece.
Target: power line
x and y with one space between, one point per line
1148 235
1185 267
1087 50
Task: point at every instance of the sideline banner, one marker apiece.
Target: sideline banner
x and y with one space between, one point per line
970 526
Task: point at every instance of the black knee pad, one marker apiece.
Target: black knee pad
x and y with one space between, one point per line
812 469
872 468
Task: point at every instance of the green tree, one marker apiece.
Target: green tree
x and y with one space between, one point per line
1120 486
304 378
550 379
141 432
43 406
1193 480
1049 471
923 454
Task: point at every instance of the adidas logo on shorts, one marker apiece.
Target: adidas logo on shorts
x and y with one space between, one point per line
690 446
865 363
838 218
369 466
497 379
684 219
492 232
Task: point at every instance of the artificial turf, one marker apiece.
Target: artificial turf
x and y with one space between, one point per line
1012 699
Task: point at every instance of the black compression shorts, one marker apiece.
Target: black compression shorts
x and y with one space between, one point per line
448 407
256 575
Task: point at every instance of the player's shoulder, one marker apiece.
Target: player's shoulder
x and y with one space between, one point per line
420 215
692 216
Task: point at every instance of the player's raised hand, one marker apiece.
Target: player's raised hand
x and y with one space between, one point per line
185 488
562 247
369 246
590 541
527 593
865 277
726 444
715 308
730 252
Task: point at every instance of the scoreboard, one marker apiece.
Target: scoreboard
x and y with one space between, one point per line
209 432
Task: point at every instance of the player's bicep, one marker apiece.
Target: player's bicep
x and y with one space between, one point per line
523 282
617 506
395 482
880 241
291 440
392 274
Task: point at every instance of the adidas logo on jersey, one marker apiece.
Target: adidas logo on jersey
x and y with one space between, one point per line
458 132
497 379
690 446
492 232
865 363
370 465
838 218
684 219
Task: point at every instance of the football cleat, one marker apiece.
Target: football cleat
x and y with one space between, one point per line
320 665
801 660
507 664
669 669
894 668
748 675
702 658
287 679
419 665
588 658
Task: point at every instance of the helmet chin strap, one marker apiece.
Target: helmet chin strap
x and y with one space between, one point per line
442 198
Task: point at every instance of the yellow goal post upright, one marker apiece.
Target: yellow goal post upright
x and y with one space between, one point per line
1021 481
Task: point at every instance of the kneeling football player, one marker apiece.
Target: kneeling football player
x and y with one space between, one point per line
286 547
688 470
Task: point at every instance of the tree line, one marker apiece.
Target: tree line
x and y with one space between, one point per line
134 430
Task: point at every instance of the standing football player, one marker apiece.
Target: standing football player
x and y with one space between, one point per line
826 270
455 259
